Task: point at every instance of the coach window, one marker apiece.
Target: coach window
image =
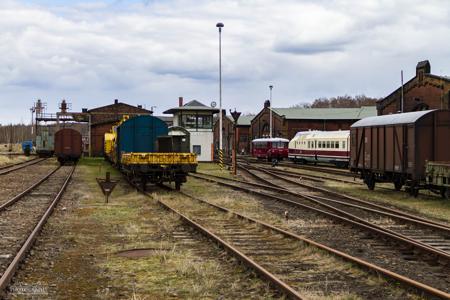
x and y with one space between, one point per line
343 145
328 144
336 145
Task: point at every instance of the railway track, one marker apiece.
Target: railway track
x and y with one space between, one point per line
315 168
14 167
23 216
306 176
401 255
288 261
424 232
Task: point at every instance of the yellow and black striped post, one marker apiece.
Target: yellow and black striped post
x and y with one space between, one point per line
221 159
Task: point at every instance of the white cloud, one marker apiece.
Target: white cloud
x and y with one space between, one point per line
151 52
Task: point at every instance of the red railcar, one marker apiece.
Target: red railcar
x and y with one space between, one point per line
68 145
395 148
270 148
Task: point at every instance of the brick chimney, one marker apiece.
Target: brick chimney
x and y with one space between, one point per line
266 103
139 106
116 101
180 101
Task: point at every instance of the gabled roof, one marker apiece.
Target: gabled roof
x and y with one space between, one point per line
243 120
193 105
327 113
390 98
403 118
119 104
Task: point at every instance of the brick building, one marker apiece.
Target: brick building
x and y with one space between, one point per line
288 121
103 118
243 134
424 91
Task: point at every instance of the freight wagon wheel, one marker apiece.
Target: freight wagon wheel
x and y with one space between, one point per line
370 181
445 193
413 191
398 183
177 185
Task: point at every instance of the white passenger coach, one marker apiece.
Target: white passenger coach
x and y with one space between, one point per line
321 146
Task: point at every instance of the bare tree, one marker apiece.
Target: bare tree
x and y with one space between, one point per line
345 101
15 133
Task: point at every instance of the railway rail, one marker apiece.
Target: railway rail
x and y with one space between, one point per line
306 176
398 254
427 233
23 217
14 167
273 252
316 168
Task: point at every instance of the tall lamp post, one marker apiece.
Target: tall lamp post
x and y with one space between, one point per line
270 111
235 116
220 25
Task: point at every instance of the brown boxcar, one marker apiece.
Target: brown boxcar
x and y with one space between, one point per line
68 145
395 148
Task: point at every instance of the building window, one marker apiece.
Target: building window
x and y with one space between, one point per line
188 121
204 122
243 138
197 149
196 121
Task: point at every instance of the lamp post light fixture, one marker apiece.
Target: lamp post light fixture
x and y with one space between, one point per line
220 26
270 112
235 116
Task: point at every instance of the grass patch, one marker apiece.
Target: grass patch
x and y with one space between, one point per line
324 266
214 169
172 269
13 159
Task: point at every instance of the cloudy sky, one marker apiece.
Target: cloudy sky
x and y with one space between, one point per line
150 52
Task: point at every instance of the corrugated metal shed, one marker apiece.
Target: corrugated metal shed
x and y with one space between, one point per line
404 118
327 113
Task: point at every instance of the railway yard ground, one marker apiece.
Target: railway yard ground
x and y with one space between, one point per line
141 246
6 159
427 203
